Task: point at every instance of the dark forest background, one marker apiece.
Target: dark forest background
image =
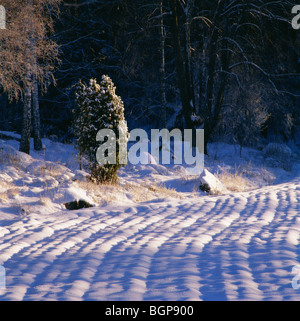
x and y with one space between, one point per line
230 67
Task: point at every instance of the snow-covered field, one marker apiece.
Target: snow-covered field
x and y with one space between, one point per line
153 237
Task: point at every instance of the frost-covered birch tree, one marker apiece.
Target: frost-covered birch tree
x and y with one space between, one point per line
28 58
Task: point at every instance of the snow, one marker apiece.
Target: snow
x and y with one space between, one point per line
156 236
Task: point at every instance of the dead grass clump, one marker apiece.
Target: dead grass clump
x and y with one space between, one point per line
107 193
163 191
8 158
138 193
149 191
234 182
7 191
103 193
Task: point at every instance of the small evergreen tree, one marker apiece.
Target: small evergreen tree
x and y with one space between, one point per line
98 107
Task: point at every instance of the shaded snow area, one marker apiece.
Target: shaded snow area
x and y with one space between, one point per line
155 236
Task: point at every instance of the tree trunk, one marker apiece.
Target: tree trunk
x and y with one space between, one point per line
188 58
5 120
163 101
31 99
202 81
215 101
26 124
36 116
183 82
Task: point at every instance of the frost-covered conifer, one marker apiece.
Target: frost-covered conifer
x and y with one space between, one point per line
98 107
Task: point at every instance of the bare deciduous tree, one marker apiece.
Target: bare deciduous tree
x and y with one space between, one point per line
28 58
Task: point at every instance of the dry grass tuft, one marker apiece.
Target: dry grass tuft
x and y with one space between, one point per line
10 159
163 191
149 191
103 193
144 192
234 182
7 191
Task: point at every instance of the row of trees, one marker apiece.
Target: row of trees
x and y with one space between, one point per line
230 66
